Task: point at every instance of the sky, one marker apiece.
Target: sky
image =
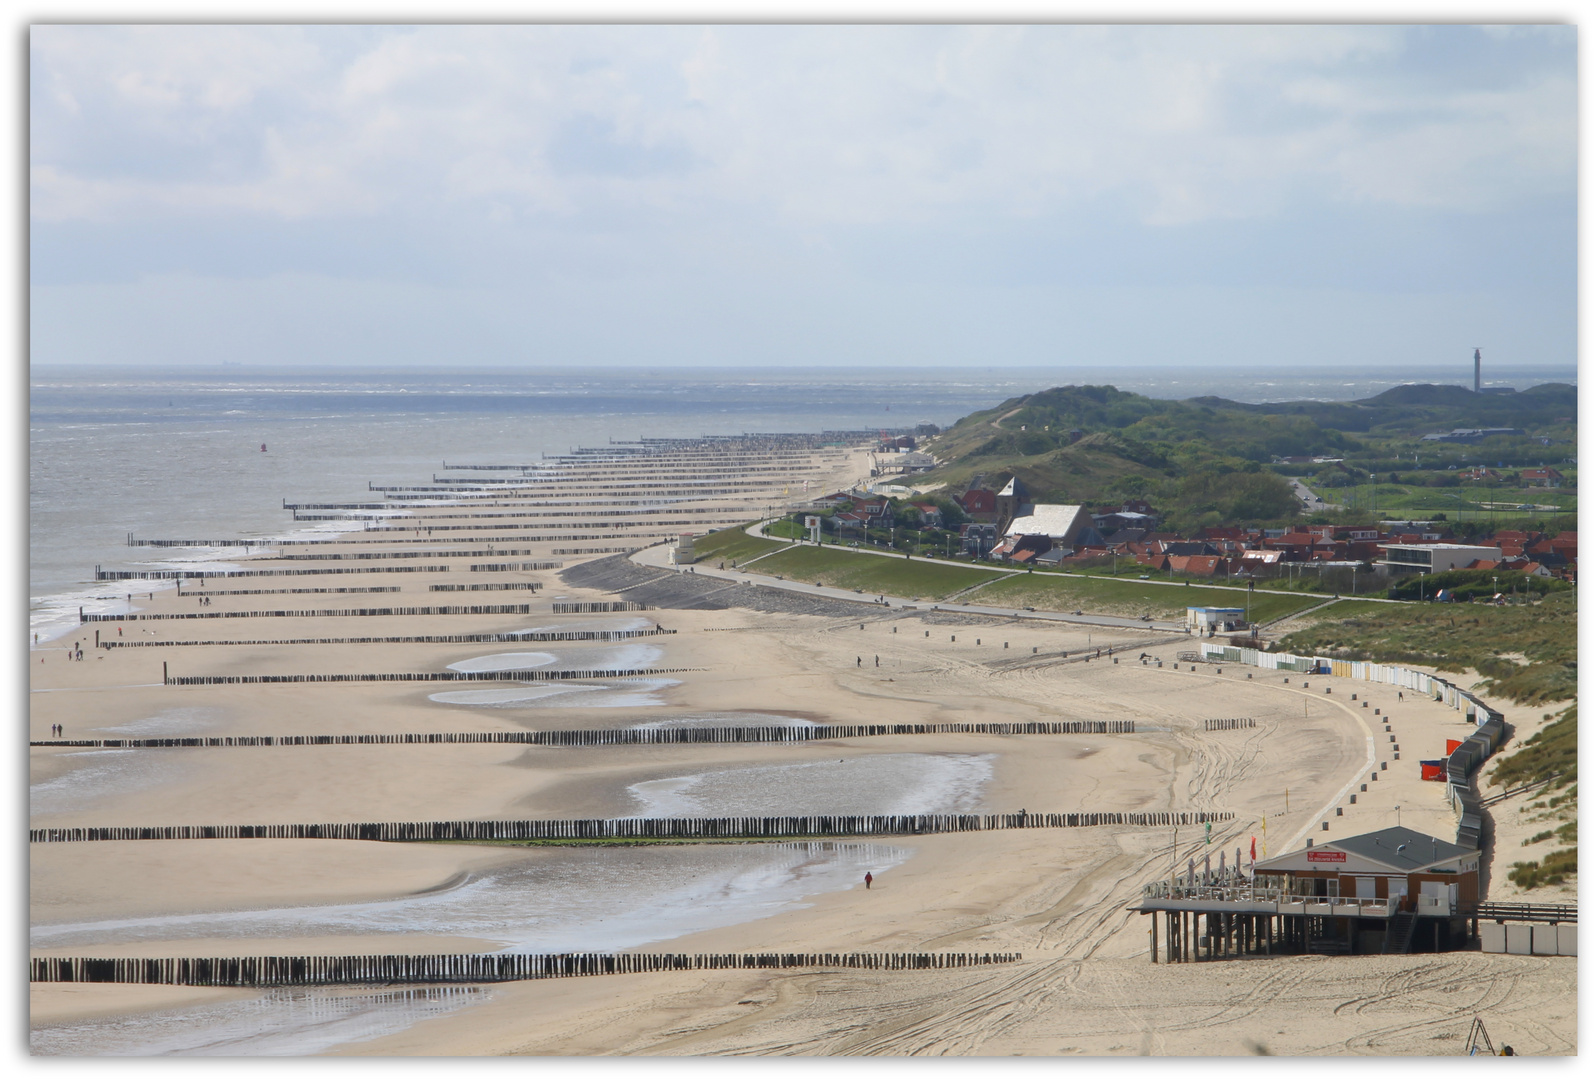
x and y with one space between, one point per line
802 196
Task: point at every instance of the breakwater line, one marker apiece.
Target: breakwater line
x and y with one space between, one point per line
1229 724
783 827
260 971
615 736
323 613
264 592
531 675
495 586
201 575
414 639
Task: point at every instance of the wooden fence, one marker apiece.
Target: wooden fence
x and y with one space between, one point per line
1230 724
259 971
490 586
362 556
266 592
784 827
192 575
323 613
413 639
616 736
530 675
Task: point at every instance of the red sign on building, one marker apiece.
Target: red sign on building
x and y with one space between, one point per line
1327 856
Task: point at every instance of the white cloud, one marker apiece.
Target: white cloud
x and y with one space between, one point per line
816 125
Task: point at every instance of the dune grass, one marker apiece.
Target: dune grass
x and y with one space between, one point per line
1526 651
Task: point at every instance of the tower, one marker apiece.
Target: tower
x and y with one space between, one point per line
1476 370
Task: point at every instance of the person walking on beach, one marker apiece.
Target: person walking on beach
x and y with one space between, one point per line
868 879
858 661
878 661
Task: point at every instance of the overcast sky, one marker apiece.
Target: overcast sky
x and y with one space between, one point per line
797 196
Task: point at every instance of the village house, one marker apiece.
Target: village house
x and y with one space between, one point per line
979 504
1544 478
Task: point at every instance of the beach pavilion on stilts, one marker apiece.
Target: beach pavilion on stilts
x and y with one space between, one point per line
1390 891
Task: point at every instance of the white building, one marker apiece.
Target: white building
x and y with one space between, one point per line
1208 619
1434 558
682 555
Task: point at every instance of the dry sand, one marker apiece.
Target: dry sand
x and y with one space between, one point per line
1058 896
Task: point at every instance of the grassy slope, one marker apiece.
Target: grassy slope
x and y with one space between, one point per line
731 544
1085 472
1110 596
1452 637
873 573
1347 609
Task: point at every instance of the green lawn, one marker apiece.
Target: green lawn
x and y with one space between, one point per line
1350 609
845 569
1118 596
1391 500
731 544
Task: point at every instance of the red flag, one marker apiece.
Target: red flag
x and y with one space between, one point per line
1255 849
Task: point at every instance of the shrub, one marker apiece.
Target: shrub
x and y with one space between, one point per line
1552 870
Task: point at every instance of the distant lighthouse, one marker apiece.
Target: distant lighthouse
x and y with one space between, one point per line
1476 371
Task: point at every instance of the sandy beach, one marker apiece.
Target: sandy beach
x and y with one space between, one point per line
1059 896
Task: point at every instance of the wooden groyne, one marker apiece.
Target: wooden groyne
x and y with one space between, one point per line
384 969
265 592
508 567
530 675
192 575
322 613
786 827
489 586
409 639
364 556
260 542
595 551
616 519
617 736
1230 724
592 607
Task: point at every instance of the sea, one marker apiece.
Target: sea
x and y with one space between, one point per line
212 453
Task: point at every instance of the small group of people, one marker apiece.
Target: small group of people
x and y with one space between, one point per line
56 731
76 651
204 601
